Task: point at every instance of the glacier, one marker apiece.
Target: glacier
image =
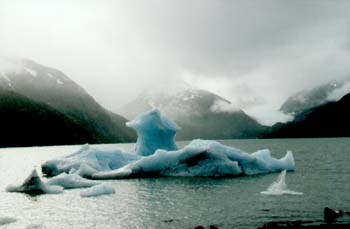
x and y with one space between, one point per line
155 154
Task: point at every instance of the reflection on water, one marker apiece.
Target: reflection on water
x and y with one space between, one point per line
322 175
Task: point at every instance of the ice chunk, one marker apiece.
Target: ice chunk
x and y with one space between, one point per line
71 181
84 171
279 187
88 159
97 190
154 131
201 158
34 185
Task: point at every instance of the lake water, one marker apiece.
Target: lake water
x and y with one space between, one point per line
322 174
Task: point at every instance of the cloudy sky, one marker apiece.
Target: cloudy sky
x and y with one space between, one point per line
254 53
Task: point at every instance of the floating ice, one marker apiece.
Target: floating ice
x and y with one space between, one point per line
84 171
155 154
279 187
87 160
154 131
34 185
97 190
201 158
68 181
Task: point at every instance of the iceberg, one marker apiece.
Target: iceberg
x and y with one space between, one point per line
35 186
97 190
279 187
87 160
154 131
84 171
156 154
203 158
70 181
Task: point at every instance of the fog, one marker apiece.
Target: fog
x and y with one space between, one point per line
253 53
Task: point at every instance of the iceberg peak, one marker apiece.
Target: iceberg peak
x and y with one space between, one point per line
155 131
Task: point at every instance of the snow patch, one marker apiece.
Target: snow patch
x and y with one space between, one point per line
30 71
191 96
223 106
7 79
59 81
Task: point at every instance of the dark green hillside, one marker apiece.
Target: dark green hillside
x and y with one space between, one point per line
52 87
329 120
25 122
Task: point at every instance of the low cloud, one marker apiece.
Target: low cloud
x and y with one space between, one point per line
339 92
253 53
223 106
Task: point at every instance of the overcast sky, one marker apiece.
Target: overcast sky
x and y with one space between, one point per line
254 53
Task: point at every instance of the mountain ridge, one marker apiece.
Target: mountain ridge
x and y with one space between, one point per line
199 113
52 87
327 120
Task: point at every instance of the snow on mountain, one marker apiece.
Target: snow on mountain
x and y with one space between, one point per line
175 100
53 88
330 119
15 70
307 99
200 113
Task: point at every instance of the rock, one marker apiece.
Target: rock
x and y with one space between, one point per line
330 215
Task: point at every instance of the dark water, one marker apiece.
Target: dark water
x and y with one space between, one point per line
322 174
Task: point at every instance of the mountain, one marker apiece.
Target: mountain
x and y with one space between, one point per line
25 122
53 88
199 113
307 99
327 120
